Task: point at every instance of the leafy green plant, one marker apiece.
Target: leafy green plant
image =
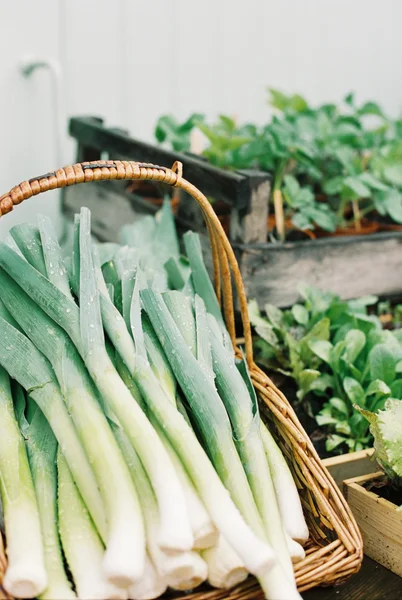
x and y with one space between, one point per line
386 427
333 165
339 356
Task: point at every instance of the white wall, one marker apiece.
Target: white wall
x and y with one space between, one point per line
130 60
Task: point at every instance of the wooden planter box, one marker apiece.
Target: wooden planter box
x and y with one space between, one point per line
349 266
379 521
348 466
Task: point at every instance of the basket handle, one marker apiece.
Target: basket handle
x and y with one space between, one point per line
224 260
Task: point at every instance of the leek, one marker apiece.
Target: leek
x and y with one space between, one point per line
287 495
244 416
215 428
125 547
172 566
28 366
225 569
175 530
82 546
204 531
150 586
28 240
25 576
42 452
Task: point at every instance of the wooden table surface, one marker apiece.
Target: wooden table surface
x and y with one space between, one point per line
373 582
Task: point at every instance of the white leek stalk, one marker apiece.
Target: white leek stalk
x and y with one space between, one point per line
26 574
199 575
204 531
82 546
150 586
287 495
42 452
172 566
295 549
225 569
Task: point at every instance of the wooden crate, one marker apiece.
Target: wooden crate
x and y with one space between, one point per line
245 192
379 521
349 266
348 466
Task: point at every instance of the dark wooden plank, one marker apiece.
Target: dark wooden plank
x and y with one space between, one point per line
232 187
348 266
372 582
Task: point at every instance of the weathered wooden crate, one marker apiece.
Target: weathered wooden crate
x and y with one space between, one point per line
349 266
348 466
379 521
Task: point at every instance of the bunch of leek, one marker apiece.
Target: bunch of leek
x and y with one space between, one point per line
132 444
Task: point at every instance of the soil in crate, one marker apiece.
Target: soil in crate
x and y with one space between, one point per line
385 490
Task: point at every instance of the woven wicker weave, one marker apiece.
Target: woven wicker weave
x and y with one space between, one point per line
334 550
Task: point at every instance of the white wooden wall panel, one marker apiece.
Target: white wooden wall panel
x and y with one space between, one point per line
26 136
130 61
149 57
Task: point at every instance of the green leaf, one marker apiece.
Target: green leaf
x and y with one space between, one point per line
378 387
300 314
336 354
333 186
296 362
392 202
350 99
382 364
370 108
349 368
322 217
386 428
396 389
340 405
283 102
355 340
354 391
372 182
302 221
305 381
343 427
393 174
322 349
333 441
275 315
353 189
325 420
359 304
292 186
346 157
323 383
262 326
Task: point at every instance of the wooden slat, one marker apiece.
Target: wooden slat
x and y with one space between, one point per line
348 266
350 465
232 187
379 521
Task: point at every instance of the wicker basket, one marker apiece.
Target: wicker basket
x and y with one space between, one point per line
334 550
